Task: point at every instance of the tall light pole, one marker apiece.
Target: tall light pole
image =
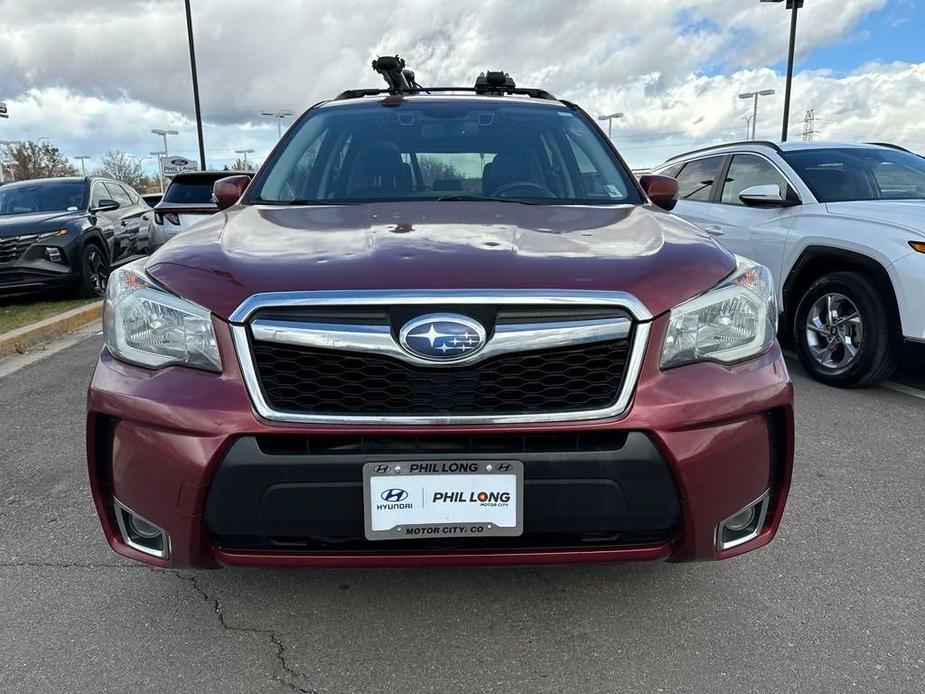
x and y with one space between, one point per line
157 157
794 7
164 134
755 95
192 61
278 115
748 124
245 152
609 118
83 158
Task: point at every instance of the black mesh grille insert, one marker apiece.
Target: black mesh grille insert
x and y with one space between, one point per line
304 380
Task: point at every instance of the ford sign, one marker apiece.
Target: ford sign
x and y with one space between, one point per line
443 337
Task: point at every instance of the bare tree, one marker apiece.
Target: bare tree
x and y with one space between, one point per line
122 167
27 160
240 165
432 169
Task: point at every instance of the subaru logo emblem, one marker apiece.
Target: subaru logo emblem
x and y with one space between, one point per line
393 496
443 337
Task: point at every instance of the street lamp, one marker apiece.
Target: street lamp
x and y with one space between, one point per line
748 124
794 7
278 115
755 95
609 118
83 158
192 62
164 134
245 152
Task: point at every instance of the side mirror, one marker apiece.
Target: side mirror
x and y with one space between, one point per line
769 195
662 190
227 191
106 205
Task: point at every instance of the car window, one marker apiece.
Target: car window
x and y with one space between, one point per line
433 150
859 173
98 193
671 171
696 179
42 196
132 195
746 171
191 191
118 194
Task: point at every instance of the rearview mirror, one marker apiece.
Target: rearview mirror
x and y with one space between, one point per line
106 205
662 190
769 195
227 191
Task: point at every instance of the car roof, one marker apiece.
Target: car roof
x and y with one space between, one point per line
399 100
54 179
779 147
208 174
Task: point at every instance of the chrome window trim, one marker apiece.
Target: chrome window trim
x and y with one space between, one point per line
377 339
427 297
640 337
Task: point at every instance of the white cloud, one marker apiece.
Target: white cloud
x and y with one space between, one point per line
673 66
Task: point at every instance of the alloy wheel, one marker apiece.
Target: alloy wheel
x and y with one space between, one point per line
95 267
834 332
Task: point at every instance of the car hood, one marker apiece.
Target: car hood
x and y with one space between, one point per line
909 214
658 258
34 223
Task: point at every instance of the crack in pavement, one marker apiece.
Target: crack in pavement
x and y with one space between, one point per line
269 633
64 565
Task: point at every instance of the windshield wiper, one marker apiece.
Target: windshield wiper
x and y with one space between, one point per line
486 198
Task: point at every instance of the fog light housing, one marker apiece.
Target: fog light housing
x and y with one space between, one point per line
54 254
141 534
743 525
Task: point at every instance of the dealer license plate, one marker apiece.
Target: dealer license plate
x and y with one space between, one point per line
428 500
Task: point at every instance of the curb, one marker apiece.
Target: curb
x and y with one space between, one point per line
19 340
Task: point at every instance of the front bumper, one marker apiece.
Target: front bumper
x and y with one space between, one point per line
157 442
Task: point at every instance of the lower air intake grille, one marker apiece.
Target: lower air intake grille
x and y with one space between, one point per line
304 380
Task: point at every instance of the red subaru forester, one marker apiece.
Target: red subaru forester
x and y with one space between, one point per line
441 327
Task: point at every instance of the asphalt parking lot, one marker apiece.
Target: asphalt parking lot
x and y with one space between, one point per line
835 604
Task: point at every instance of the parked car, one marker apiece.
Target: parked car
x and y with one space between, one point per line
187 200
67 232
349 366
842 229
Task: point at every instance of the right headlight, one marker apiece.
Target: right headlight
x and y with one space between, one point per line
733 321
145 325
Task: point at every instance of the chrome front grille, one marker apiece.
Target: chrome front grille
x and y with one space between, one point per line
335 357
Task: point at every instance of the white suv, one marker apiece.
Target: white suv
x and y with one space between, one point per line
842 228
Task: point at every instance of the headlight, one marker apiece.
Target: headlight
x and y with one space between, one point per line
733 321
145 325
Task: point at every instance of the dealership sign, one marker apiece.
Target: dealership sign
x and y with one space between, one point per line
171 166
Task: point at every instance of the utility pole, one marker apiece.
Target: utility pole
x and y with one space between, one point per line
164 134
83 158
794 7
609 118
192 60
157 157
809 125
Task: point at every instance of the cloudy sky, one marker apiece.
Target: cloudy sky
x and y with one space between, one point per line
94 75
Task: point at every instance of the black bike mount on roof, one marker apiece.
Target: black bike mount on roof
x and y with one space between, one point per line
401 81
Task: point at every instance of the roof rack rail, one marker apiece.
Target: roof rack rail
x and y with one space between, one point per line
767 143
888 144
401 81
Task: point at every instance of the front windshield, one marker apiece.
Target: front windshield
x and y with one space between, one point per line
855 173
441 150
42 196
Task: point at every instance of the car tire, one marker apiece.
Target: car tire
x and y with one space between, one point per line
842 333
94 271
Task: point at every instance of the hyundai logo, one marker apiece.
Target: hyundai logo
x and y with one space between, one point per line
393 496
442 337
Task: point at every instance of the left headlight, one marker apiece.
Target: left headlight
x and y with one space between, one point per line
733 321
147 326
